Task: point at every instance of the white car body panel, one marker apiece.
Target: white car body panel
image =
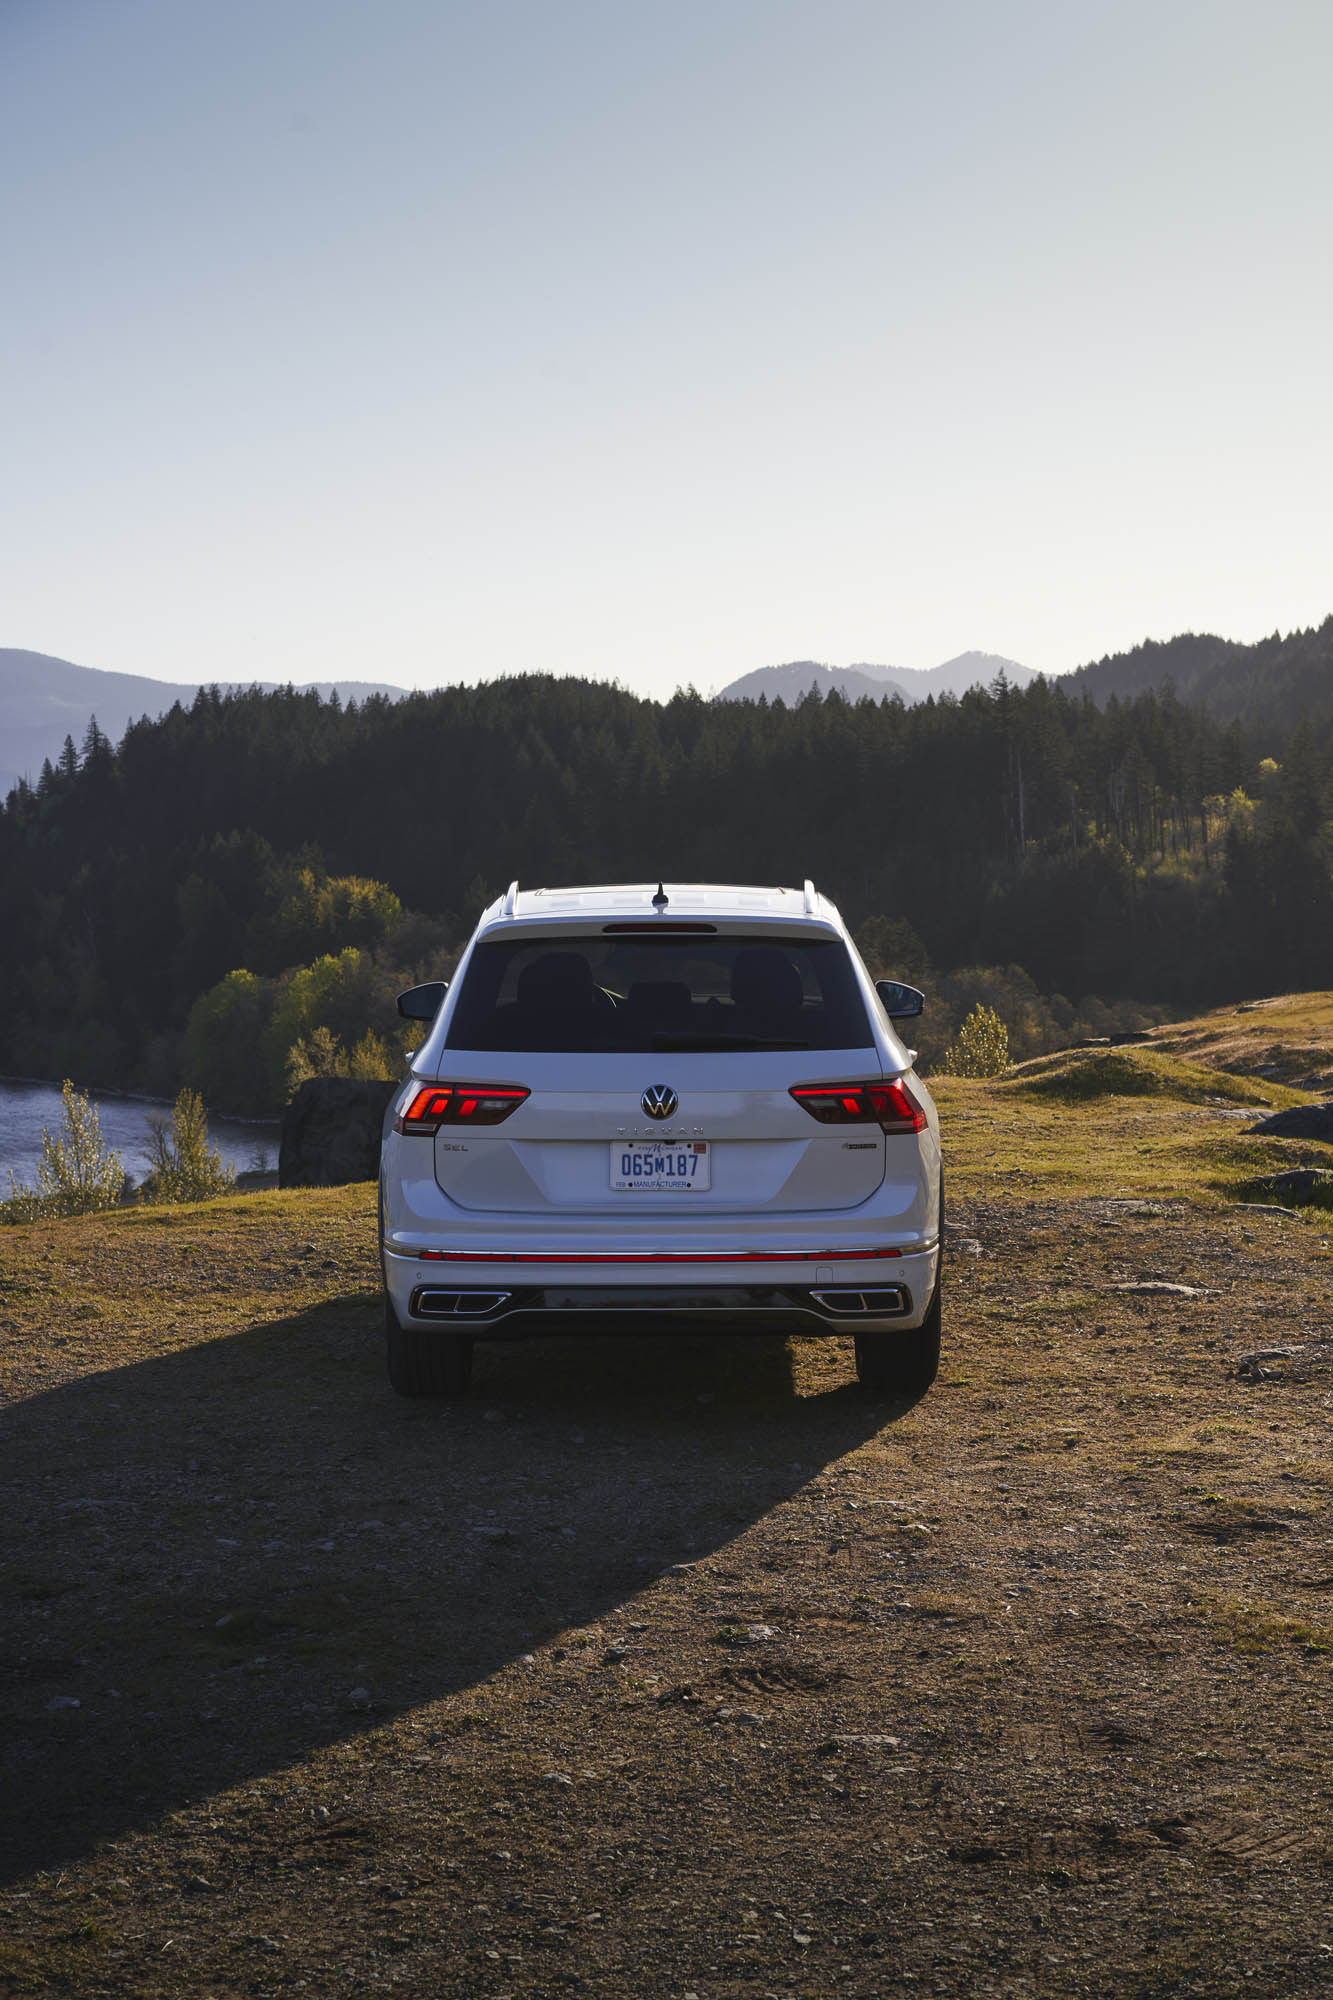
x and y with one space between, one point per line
553 1152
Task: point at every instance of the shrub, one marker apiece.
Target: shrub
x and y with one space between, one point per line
320 1053
982 1047
185 1167
77 1174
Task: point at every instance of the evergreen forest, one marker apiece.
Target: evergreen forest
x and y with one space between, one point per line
231 897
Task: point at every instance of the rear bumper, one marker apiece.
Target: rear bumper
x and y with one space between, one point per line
511 1299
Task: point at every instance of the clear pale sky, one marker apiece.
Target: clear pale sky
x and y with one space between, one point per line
407 341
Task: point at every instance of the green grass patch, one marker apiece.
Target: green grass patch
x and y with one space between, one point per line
1078 1075
1252 1629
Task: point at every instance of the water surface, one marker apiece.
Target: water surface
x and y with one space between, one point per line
25 1108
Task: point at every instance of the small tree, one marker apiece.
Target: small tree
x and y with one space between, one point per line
319 1053
982 1047
77 1174
185 1166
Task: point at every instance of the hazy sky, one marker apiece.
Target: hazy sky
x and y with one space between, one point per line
408 341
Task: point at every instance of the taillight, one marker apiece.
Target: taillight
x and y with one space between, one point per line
889 1105
437 1104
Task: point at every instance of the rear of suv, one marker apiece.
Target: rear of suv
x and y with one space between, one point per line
661 1108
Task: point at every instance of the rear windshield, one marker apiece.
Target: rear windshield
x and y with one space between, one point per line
603 994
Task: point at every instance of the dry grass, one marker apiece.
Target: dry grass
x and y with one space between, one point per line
475 1701
1288 1037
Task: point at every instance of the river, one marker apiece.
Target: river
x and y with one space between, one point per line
25 1108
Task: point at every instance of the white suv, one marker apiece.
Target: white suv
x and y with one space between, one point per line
661 1108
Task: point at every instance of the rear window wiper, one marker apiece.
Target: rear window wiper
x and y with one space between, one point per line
669 1044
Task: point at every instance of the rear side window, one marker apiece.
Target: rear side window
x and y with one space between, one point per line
659 993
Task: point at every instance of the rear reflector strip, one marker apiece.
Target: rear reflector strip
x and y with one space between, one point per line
654 1256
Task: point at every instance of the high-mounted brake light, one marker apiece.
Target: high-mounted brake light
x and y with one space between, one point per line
439 1104
890 1105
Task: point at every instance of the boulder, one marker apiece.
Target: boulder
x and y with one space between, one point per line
1301 1121
331 1132
1303 1187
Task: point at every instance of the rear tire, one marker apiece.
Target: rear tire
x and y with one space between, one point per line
901 1364
426 1363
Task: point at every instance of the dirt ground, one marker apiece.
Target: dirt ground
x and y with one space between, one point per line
679 1669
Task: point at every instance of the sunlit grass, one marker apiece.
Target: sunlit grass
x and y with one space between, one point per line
1062 1125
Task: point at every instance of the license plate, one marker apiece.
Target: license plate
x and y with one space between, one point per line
659 1166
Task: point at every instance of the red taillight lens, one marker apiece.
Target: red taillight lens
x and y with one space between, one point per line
889 1105
894 1107
439 1104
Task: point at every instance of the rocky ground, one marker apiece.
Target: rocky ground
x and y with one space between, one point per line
681 1669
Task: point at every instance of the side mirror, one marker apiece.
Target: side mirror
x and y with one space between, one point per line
901 1003
422 1003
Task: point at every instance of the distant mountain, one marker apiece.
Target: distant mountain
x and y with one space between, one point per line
956 676
791 682
854 683
1266 686
43 700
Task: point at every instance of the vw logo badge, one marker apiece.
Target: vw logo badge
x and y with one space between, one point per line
659 1100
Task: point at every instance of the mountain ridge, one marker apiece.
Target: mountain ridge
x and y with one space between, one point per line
793 679
1265 685
44 699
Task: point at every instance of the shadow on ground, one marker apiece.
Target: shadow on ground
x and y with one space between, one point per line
231 1556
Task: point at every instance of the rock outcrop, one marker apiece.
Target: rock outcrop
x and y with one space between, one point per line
1300 1121
331 1132
1304 1187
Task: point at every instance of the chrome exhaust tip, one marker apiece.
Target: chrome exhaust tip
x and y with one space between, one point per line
432 1303
882 1301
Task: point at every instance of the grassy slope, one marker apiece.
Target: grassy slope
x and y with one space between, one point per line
375 1694
1125 1121
1290 1035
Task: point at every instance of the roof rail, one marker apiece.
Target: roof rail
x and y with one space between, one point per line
810 897
511 899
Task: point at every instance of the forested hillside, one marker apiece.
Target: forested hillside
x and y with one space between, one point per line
1268 686
242 885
